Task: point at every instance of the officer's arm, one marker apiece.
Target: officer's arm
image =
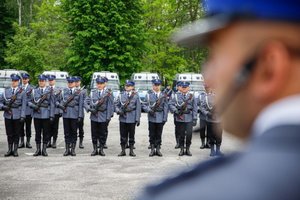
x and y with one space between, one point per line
166 110
117 104
203 107
80 106
195 108
145 105
87 102
172 105
1 101
138 109
110 106
23 106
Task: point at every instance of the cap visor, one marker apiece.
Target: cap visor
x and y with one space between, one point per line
196 33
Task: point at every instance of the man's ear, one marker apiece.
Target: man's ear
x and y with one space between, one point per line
271 71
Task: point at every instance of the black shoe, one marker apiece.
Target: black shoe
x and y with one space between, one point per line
202 143
131 153
187 152
95 152
122 153
10 151
207 146
181 153
218 151
177 146
105 146
28 145
21 145
67 152
38 150
16 150
73 145
44 150
101 152
54 143
212 150
49 144
149 147
158 153
81 143
152 152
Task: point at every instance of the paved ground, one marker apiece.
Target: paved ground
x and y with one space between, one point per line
86 177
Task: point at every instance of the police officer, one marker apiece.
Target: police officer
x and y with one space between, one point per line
72 106
77 80
101 105
184 107
43 113
128 107
203 124
56 93
156 106
214 130
27 88
13 102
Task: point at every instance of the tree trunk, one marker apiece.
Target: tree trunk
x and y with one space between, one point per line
20 11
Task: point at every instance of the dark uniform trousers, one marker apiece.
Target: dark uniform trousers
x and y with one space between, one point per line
127 131
42 128
13 130
155 132
214 133
80 129
70 130
202 128
106 131
98 130
176 130
27 122
185 130
54 127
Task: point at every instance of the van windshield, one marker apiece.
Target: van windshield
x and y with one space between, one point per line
5 82
61 83
111 84
143 85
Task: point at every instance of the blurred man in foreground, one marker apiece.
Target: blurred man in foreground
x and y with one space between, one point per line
254 65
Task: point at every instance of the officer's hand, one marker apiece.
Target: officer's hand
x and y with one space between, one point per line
176 112
120 112
93 111
151 112
194 122
80 119
137 123
60 115
5 108
51 119
22 119
164 122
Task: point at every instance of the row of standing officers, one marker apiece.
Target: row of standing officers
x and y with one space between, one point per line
46 104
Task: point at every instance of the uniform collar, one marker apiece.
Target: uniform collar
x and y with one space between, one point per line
25 86
282 112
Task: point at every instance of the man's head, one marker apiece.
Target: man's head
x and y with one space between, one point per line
101 83
156 84
77 80
129 85
71 82
42 80
51 79
25 78
254 56
15 80
185 87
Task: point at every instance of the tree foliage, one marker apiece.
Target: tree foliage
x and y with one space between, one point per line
106 35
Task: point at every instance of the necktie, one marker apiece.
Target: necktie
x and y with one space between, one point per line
13 92
70 91
128 94
42 91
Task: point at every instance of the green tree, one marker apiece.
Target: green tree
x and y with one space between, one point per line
106 35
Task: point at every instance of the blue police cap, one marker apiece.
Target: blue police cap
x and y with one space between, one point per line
42 77
15 77
185 84
101 80
156 82
178 83
51 77
25 75
77 78
220 13
70 79
129 83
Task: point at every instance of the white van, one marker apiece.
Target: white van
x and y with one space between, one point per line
113 81
61 77
143 82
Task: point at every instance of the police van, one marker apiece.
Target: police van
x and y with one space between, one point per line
143 82
196 82
61 77
5 80
113 81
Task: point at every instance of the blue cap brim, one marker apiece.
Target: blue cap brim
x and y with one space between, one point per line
196 33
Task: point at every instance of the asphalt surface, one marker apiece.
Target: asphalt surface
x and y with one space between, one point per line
86 177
